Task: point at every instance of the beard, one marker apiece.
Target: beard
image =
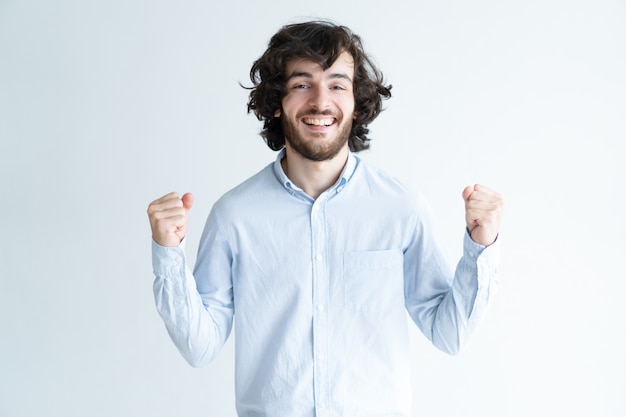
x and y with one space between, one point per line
321 150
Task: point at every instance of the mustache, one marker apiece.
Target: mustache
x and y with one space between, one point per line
313 112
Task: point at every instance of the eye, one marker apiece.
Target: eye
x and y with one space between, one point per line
300 86
338 87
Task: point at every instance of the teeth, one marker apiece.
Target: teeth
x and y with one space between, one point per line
318 122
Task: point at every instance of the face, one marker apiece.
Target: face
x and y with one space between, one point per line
318 108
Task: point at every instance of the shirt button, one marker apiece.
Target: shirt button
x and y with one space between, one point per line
321 357
318 257
323 404
471 254
320 307
178 259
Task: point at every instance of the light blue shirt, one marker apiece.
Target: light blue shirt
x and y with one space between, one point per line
320 290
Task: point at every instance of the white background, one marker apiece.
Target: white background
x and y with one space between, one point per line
106 105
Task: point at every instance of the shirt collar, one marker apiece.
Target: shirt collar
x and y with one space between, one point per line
344 178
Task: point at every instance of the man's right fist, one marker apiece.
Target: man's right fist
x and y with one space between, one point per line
168 218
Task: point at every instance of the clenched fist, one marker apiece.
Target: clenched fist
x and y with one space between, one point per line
168 218
483 212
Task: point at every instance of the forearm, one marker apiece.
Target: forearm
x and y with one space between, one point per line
464 306
197 330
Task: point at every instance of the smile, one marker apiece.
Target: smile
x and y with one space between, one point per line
314 121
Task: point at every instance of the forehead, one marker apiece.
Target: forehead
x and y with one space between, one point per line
344 64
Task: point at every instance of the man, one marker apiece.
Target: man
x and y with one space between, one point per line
320 255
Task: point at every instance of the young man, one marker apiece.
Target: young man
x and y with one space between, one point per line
320 255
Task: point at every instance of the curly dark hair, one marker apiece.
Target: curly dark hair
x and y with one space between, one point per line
321 42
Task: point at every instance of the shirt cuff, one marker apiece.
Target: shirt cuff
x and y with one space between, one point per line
168 261
473 249
478 266
486 258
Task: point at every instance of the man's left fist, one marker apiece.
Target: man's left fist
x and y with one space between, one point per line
483 213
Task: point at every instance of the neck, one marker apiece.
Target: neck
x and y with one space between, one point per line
313 177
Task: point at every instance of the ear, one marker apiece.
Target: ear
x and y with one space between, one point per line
277 113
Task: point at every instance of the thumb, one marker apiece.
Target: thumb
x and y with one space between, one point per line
467 192
187 199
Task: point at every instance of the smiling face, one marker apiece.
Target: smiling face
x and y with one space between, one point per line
318 108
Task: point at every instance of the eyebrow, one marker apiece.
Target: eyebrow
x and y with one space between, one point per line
334 75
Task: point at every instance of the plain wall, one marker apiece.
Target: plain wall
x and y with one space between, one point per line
107 105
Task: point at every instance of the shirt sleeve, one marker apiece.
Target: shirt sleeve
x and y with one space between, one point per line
198 323
447 304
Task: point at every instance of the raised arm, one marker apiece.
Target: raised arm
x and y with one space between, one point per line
198 324
447 304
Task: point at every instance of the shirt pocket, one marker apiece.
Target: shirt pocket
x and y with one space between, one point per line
373 280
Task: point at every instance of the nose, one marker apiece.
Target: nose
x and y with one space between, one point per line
320 98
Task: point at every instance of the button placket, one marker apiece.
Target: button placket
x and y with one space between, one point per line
320 302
